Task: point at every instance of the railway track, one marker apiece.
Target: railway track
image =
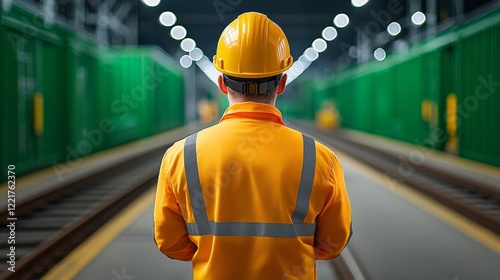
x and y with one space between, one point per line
50 225
475 198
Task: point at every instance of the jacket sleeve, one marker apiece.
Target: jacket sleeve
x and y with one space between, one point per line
333 224
170 233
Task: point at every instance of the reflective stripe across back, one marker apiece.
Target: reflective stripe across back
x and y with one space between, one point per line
202 226
250 229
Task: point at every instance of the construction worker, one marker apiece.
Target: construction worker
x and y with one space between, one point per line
250 198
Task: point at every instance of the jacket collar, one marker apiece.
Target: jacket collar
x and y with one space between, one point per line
253 110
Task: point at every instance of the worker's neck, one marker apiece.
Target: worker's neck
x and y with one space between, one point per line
232 102
235 98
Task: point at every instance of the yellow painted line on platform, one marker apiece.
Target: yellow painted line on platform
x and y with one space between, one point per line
79 258
476 231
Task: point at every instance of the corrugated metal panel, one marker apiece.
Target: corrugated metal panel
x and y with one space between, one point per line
478 100
86 127
364 99
408 124
385 103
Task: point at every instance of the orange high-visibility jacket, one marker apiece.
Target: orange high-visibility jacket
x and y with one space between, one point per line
250 198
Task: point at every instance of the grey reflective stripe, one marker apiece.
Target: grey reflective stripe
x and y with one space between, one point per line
251 229
193 179
306 180
202 226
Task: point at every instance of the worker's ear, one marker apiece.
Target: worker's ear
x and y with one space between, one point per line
281 86
222 86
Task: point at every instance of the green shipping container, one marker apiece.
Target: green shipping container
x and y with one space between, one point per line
142 92
32 65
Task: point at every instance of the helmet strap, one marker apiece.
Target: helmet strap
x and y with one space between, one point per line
252 87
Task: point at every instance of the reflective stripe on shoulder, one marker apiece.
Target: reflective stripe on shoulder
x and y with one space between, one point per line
306 180
202 226
193 179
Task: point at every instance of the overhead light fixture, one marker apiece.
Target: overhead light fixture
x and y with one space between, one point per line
188 44
186 61
319 45
394 28
329 33
151 3
418 18
379 54
358 3
341 20
167 19
196 54
178 32
311 54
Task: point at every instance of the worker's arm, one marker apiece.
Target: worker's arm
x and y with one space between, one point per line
333 224
170 231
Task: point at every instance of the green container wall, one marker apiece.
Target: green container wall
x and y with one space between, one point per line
363 104
124 98
168 97
343 100
307 96
142 93
479 97
32 61
386 98
407 96
86 127
436 69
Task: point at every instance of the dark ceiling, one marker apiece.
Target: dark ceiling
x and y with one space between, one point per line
130 21
302 22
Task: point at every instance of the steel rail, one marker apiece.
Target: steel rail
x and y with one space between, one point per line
138 175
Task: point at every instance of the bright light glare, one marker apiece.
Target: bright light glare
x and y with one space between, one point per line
188 44
151 3
319 45
178 32
299 66
186 61
418 18
311 54
204 63
329 33
341 20
358 3
196 54
394 28
304 61
168 19
379 54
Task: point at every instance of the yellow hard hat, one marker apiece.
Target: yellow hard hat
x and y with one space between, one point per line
252 46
